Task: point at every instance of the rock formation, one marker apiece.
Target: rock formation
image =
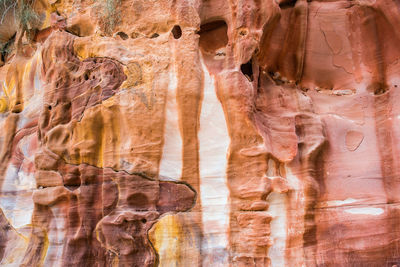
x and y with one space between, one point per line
199 133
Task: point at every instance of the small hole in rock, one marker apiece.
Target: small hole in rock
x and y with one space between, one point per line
247 70
72 187
123 35
177 32
243 32
395 85
134 35
86 77
155 35
144 220
49 107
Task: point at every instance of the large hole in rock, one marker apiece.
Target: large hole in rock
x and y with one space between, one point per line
247 70
177 32
213 35
287 3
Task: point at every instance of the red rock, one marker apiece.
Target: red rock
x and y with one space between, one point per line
199 133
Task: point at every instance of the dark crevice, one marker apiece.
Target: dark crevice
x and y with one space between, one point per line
177 32
247 70
73 31
212 26
123 35
260 76
213 35
6 49
287 4
378 88
380 91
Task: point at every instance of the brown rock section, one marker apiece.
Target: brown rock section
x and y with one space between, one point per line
108 213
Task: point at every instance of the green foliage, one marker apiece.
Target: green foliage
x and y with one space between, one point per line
5 7
27 16
23 11
6 3
111 14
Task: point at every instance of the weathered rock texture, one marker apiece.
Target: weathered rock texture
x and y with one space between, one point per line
199 133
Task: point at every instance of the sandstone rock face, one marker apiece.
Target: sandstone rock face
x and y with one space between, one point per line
199 133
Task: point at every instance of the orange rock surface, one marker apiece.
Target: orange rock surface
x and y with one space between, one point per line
199 133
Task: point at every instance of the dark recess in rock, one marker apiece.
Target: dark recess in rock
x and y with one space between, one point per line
177 32
213 35
123 35
247 70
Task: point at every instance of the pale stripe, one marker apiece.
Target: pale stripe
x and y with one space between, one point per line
214 142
